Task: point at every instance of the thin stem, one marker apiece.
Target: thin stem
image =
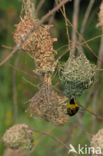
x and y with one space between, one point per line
100 57
39 6
75 26
50 13
15 99
86 16
17 47
92 113
84 41
53 137
94 103
66 24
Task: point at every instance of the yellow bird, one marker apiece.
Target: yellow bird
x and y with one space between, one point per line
72 107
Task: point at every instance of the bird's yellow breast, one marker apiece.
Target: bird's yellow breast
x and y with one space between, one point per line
72 107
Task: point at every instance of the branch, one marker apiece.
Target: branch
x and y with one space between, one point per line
50 13
86 16
39 6
10 55
14 89
100 57
75 26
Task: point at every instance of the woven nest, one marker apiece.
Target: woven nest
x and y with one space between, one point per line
50 106
77 75
11 152
39 44
97 142
19 136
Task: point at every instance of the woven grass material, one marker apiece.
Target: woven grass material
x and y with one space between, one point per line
77 75
12 152
97 141
39 44
19 136
47 104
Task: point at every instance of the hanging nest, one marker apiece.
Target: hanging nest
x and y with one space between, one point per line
97 142
77 75
50 106
19 136
39 43
12 152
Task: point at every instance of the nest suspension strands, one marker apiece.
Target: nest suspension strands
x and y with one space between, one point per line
40 43
77 75
28 8
48 105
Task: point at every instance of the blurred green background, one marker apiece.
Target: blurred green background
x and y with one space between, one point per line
18 83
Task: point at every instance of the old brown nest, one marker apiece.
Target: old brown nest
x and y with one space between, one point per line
49 105
39 44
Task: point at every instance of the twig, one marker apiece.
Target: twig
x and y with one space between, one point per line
88 99
17 47
53 137
29 82
66 24
44 18
87 13
63 11
91 39
7 47
23 72
100 57
75 26
92 113
39 6
94 103
50 13
83 128
84 41
15 102
52 18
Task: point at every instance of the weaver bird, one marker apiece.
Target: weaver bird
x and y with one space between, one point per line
72 107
